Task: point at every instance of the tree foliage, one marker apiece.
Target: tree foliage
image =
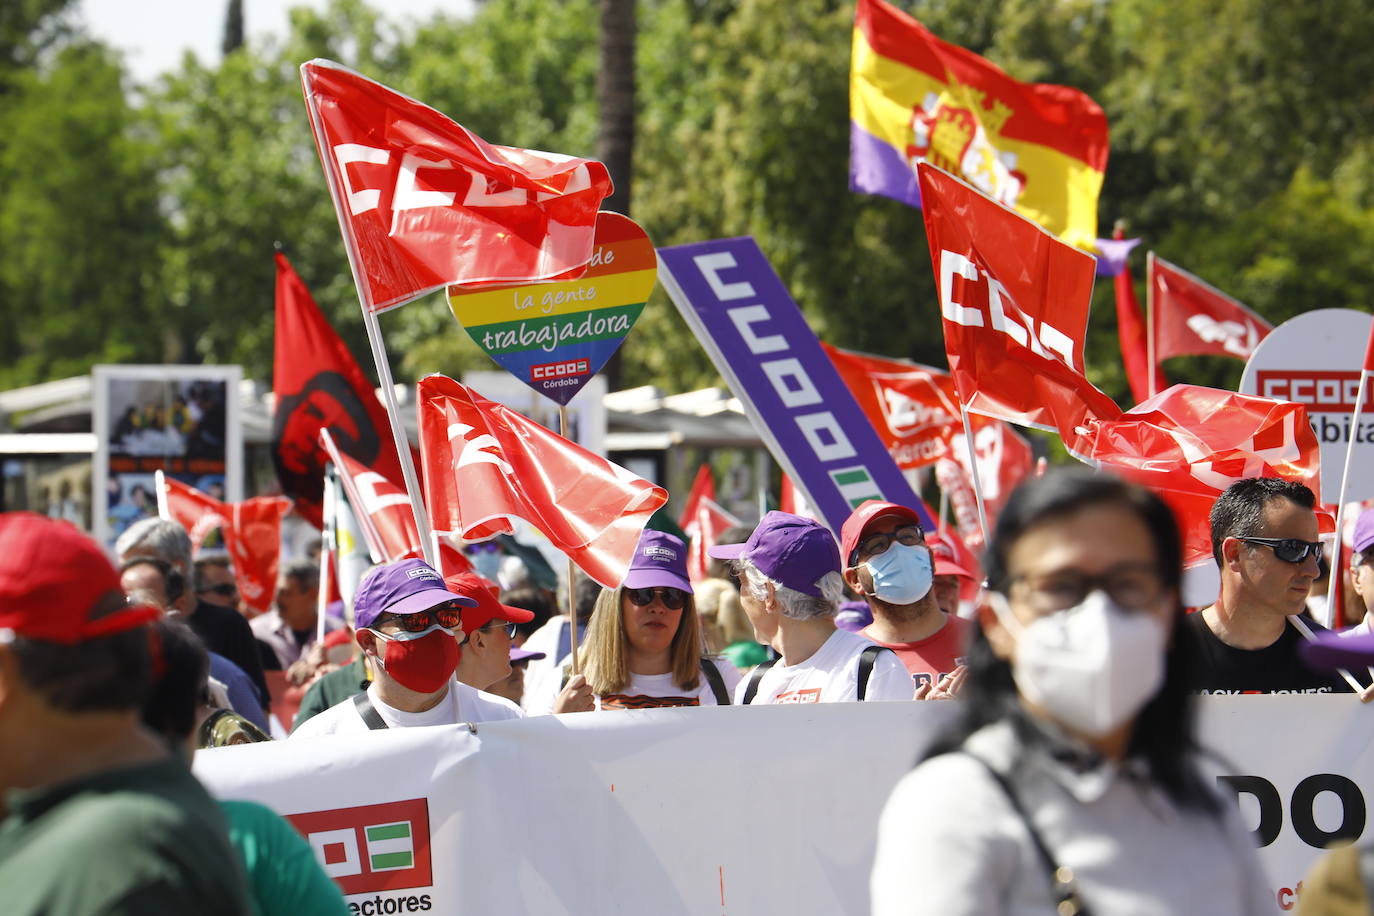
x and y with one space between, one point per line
138 222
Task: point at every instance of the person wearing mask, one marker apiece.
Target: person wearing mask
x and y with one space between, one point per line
1265 541
150 581
222 629
889 564
790 586
643 645
950 575
96 816
409 627
1069 783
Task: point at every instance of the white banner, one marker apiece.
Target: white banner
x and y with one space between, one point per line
710 811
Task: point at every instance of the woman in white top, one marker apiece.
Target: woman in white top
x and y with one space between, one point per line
1070 785
644 646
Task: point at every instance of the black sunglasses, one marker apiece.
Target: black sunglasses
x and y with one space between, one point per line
1289 550
226 589
674 599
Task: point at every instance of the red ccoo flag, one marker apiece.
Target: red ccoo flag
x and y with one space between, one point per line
1192 318
251 529
317 385
423 202
484 463
704 528
1014 300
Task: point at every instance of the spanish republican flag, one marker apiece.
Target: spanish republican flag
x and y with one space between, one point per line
1038 148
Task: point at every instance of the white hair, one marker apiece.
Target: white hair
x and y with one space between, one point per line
167 540
794 604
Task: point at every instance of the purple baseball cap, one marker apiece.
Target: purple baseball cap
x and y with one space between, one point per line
853 616
660 561
403 587
1364 532
795 551
524 655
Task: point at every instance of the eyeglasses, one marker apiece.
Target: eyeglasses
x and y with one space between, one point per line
508 627
674 599
1289 550
224 590
447 616
907 535
1133 587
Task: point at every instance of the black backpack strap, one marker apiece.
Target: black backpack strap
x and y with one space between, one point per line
751 688
708 668
1062 883
363 703
867 658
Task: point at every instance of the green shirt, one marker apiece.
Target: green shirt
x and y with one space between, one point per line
285 877
331 690
145 839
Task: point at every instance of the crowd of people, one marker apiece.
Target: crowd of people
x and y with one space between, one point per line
1068 782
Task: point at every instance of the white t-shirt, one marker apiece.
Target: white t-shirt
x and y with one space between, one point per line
645 691
462 704
831 675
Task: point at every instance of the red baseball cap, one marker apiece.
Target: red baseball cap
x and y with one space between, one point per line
52 577
471 585
852 532
946 560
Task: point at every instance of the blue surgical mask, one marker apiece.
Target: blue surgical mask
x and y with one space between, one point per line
901 574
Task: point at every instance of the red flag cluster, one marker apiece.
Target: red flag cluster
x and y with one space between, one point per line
251 531
703 520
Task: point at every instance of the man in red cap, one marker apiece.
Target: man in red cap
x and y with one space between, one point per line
888 562
950 575
99 815
489 627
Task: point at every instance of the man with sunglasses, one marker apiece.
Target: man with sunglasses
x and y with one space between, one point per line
409 625
1264 539
489 627
891 566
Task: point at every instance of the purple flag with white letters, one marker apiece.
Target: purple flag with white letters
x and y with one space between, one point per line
740 311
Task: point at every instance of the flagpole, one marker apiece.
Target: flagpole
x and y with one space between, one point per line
944 509
572 592
162 509
1340 506
1150 319
973 467
328 542
398 433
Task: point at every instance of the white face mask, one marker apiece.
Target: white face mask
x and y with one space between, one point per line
1092 667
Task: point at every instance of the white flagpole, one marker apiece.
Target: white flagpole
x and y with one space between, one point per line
374 334
329 542
973 467
1150 319
162 510
1340 505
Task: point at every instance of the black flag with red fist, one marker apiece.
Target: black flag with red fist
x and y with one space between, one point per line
318 385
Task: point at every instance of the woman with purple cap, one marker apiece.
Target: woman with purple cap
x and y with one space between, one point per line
644 639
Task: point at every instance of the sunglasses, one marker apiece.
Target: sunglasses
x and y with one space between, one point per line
674 599
508 627
1289 550
225 590
482 547
449 617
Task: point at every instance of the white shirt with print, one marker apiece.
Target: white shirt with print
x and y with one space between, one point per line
831 675
461 704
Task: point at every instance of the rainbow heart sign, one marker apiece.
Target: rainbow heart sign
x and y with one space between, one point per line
555 336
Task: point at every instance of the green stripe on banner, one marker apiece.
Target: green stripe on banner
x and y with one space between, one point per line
557 330
857 475
392 860
388 831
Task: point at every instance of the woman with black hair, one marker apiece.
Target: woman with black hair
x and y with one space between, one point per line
1069 783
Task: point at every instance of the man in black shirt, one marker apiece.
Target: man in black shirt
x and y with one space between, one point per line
1264 539
222 629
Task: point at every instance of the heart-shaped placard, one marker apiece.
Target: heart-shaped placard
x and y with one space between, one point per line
555 336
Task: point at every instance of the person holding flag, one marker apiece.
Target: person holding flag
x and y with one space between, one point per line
889 564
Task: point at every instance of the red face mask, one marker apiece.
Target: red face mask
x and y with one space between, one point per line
423 665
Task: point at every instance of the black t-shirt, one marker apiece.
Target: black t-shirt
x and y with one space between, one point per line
1215 668
226 631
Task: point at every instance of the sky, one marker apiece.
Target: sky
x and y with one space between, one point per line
154 33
